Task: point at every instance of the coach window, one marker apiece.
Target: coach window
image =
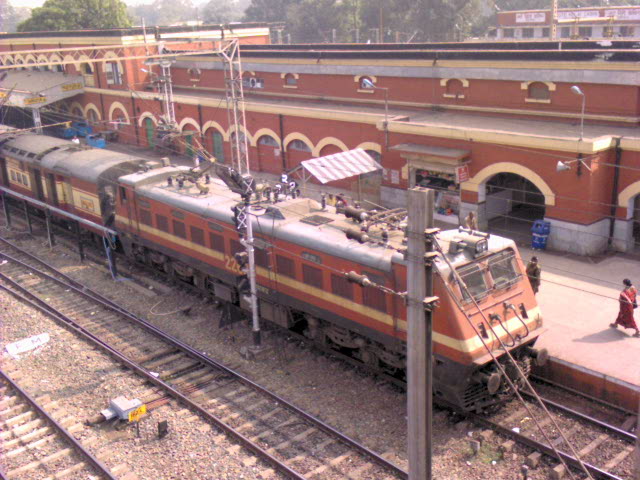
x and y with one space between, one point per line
312 276
123 195
217 242
262 257
197 235
145 217
285 266
162 223
179 229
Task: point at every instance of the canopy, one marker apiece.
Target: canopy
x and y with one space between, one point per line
341 165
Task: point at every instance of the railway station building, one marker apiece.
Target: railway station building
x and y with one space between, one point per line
495 128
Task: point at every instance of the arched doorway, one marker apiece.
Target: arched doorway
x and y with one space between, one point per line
149 132
512 204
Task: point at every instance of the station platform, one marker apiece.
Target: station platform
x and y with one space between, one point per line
578 298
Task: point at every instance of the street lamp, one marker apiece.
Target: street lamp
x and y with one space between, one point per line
576 90
369 84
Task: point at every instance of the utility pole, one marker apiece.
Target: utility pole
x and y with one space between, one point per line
553 20
381 25
420 304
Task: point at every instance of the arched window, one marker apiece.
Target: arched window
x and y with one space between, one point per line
366 83
86 69
92 117
77 113
269 141
375 155
290 80
299 145
194 74
538 91
454 87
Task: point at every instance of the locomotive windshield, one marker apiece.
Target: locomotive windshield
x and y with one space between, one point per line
497 271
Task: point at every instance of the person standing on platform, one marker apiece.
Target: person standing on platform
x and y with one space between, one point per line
471 222
533 272
627 304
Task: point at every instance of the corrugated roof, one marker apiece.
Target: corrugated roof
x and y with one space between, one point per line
341 165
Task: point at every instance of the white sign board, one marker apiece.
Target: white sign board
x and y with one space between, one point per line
530 17
623 13
573 14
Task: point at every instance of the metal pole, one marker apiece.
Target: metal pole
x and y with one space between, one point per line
25 207
584 98
419 394
50 238
386 117
257 337
37 121
5 207
79 238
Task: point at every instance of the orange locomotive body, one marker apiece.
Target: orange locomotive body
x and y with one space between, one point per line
183 226
302 253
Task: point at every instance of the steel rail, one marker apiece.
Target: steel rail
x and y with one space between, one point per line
97 464
44 307
84 291
582 416
538 378
541 447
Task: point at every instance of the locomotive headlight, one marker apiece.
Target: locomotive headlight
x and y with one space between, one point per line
482 246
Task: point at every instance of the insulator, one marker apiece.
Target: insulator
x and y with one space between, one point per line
170 181
207 178
361 280
358 214
357 235
323 201
385 236
180 182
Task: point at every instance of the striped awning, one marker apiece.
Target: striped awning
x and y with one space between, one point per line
341 165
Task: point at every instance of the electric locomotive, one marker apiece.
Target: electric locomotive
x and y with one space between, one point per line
181 222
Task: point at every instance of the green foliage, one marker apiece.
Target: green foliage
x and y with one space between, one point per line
77 14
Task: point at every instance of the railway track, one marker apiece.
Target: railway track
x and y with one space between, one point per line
605 448
288 439
35 444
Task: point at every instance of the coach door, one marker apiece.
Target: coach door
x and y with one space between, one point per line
37 177
3 172
51 188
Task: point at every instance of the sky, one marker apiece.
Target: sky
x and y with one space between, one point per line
38 3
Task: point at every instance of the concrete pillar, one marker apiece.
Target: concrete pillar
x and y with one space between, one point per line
623 235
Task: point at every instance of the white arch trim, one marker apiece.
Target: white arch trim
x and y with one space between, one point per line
188 121
261 133
297 136
120 106
473 185
248 135
357 78
91 106
76 105
110 54
328 141
464 81
30 58
550 85
626 196
147 115
216 126
375 147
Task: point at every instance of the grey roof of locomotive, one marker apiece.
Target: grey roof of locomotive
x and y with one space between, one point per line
216 205
70 159
329 238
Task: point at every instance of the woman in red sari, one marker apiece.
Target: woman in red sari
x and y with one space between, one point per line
627 304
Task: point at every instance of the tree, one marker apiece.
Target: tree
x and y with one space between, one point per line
223 11
76 15
268 10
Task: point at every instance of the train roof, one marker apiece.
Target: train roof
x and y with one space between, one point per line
68 158
301 221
